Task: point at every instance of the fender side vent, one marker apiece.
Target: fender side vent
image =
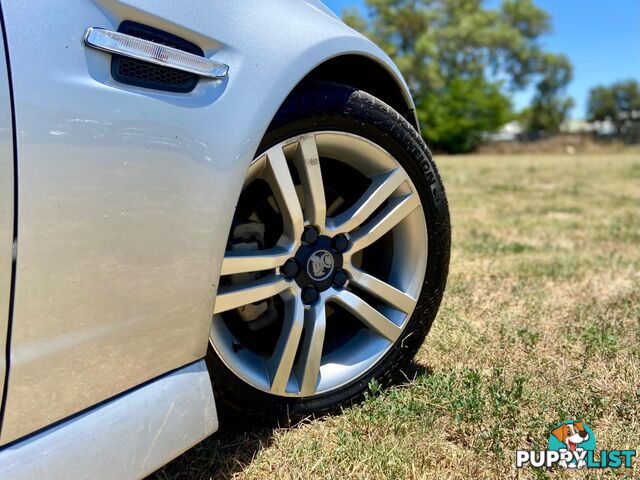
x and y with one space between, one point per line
143 74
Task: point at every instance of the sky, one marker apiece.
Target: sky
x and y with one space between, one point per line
600 37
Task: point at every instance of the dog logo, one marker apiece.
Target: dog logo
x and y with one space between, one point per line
320 265
572 444
572 436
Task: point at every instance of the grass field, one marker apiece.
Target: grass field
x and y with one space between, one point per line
540 323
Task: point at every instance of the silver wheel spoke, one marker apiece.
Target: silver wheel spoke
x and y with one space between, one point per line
252 261
280 364
396 211
279 178
307 163
237 296
382 290
256 169
368 315
381 188
308 366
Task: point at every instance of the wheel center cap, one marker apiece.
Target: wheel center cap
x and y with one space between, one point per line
320 265
319 262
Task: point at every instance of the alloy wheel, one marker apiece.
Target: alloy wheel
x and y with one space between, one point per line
324 264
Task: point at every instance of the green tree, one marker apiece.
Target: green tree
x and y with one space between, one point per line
460 59
549 107
619 103
455 118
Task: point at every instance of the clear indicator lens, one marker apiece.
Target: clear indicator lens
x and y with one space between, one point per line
144 50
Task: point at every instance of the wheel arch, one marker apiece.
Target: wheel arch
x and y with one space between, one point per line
370 75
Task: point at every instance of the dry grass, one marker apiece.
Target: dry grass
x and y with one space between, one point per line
540 324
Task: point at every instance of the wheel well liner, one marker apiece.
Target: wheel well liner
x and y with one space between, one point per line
363 73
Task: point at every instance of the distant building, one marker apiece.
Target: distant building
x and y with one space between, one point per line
601 128
577 126
513 131
509 132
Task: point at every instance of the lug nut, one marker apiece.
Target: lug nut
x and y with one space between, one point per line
339 279
340 242
309 295
290 268
310 234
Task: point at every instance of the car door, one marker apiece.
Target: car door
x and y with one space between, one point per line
6 208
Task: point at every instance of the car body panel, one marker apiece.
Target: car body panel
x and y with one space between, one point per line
126 194
6 208
128 437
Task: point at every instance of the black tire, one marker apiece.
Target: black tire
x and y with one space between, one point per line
329 106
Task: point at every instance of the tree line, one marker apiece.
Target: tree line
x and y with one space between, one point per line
463 61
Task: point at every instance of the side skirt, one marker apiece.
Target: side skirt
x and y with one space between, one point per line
128 437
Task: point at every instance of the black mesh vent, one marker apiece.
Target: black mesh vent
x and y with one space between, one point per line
143 74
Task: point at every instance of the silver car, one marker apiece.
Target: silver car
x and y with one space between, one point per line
200 199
